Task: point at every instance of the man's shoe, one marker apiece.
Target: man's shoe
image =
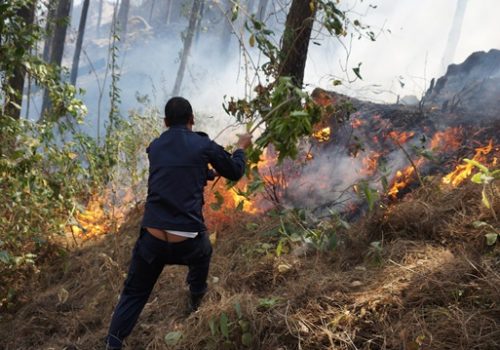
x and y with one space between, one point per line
194 302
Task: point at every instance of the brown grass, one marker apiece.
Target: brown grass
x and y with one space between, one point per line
433 285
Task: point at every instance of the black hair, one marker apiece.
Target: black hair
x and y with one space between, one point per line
178 111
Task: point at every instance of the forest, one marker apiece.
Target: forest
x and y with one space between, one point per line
368 213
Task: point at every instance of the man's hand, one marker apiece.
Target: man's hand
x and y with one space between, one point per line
244 141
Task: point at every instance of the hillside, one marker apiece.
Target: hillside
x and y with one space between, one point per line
417 275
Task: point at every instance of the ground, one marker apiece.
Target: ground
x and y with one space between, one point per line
415 274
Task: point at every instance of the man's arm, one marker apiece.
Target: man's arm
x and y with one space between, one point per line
230 166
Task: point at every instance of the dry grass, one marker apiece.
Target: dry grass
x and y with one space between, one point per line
433 285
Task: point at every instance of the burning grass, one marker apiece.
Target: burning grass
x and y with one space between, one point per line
430 283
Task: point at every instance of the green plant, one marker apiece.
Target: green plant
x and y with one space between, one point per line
485 177
491 234
230 334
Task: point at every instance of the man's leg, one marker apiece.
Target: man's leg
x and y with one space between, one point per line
142 275
198 272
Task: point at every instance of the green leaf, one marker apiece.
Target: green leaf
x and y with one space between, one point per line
5 257
246 339
477 165
213 326
224 325
237 307
173 338
357 71
491 238
279 248
477 178
337 82
479 224
244 325
485 199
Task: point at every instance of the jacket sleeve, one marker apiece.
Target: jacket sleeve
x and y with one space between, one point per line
230 166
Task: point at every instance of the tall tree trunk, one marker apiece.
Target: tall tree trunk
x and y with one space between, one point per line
169 11
187 46
227 29
79 41
123 18
454 36
261 10
99 17
49 25
14 98
153 3
58 40
295 40
198 23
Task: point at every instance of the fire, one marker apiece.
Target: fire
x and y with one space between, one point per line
370 163
401 137
322 135
463 171
403 178
99 217
356 123
448 140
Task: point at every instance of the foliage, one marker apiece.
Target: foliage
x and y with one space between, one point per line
300 226
484 177
230 334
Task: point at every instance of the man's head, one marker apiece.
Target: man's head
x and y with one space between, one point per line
178 111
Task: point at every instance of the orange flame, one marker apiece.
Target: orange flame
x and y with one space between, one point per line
463 171
322 135
448 140
370 163
356 123
403 178
401 137
100 217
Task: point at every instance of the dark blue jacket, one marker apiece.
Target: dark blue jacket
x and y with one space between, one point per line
178 172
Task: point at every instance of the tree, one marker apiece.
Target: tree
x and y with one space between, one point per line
153 3
79 41
123 17
261 10
169 12
57 42
454 36
295 40
227 28
99 16
188 40
49 26
24 16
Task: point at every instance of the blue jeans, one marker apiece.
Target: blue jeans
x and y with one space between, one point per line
149 256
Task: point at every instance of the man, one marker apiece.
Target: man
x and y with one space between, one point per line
173 229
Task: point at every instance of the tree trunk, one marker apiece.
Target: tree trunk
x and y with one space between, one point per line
99 17
227 29
261 10
153 3
58 40
169 11
187 46
49 25
14 98
79 42
123 18
295 40
454 36
198 23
